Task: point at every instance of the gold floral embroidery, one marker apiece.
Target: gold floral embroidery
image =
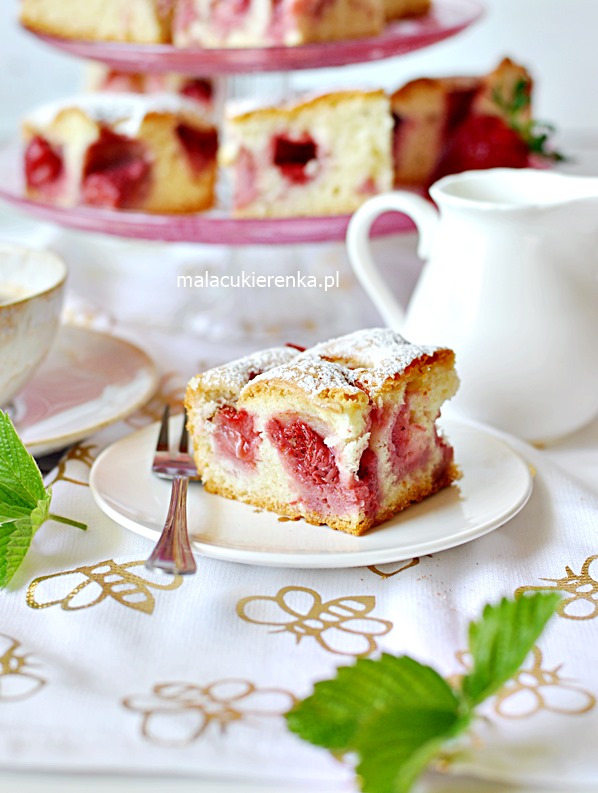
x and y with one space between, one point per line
413 563
81 453
340 626
16 680
534 689
97 582
176 714
582 588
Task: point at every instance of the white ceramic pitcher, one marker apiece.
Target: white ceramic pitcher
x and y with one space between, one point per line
511 284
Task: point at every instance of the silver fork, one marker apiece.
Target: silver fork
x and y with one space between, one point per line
172 553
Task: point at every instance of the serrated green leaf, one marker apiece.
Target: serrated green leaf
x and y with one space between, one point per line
500 641
24 501
332 715
396 747
394 713
15 539
21 483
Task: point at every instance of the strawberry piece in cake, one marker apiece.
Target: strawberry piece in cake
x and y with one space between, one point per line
322 155
342 434
254 23
141 21
451 124
122 151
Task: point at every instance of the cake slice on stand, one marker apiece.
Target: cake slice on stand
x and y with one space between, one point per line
315 155
151 153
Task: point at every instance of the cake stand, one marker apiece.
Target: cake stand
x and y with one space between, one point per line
280 243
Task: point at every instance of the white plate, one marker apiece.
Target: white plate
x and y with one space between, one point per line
88 381
496 484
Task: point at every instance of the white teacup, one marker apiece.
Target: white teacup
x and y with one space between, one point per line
32 286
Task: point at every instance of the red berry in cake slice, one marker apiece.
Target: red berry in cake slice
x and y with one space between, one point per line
234 434
304 451
292 157
114 187
200 145
409 443
43 162
115 172
197 88
481 142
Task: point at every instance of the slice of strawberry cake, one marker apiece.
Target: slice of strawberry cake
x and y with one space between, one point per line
153 153
342 434
139 21
451 124
318 155
259 23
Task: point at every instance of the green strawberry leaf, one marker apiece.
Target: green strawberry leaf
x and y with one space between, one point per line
24 501
536 134
396 714
334 713
501 640
396 746
21 483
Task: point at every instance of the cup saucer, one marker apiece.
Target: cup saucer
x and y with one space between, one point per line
88 381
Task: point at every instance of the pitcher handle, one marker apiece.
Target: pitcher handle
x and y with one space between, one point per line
359 251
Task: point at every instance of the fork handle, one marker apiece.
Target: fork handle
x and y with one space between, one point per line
172 553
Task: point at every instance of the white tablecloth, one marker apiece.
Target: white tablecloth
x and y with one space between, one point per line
108 669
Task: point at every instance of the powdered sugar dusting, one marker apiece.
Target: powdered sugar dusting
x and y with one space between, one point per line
233 376
359 362
314 375
123 111
373 356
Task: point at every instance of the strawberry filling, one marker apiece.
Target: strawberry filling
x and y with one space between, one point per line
200 146
292 157
227 15
43 163
312 464
412 447
116 172
198 89
245 191
304 452
234 435
409 443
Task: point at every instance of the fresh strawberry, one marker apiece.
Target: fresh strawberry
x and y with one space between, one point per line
304 451
43 163
483 141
